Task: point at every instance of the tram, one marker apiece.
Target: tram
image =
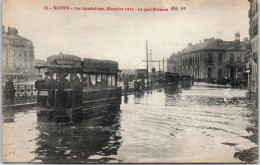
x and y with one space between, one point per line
187 81
75 89
173 82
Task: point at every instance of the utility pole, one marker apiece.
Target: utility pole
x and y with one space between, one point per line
147 61
163 64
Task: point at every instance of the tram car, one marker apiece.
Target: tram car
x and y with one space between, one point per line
187 81
173 82
74 89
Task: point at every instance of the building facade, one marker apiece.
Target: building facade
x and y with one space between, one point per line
17 56
213 59
253 52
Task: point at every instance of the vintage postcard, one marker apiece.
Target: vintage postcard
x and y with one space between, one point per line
129 81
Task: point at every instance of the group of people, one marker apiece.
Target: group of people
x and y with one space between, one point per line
138 86
60 98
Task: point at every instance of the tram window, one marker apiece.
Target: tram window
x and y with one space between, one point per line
86 80
79 76
113 80
93 79
99 78
104 79
109 80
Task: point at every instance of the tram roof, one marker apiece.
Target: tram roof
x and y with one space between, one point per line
71 63
100 66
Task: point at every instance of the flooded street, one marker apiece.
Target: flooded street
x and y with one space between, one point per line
201 124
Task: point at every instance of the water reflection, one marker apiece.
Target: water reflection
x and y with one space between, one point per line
138 97
98 137
198 125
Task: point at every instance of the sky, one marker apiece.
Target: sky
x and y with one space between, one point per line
121 35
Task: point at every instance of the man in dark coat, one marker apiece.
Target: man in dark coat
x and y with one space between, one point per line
51 85
9 91
39 85
126 86
77 89
62 94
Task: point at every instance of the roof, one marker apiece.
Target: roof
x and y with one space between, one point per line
99 66
215 45
64 59
15 37
71 63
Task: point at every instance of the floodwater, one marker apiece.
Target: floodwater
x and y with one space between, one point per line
202 124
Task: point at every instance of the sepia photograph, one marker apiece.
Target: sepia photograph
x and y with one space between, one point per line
110 81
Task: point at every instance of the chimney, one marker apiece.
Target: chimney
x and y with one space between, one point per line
14 31
189 44
9 30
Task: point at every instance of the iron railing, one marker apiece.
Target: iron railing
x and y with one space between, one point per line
22 94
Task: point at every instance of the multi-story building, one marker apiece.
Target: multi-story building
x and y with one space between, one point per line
17 55
253 52
213 59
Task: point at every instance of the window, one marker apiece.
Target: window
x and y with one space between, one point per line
92 80
109 79
245 59
24 52
209 72
232 58
239 58
113 80
98 78
220 72
220 58
210 59
20 62
13 52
